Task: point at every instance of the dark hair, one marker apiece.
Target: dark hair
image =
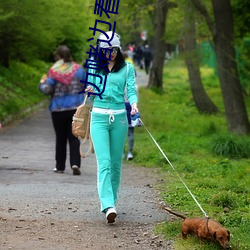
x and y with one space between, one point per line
64 53
119 63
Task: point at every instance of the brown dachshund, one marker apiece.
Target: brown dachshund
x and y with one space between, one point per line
204 229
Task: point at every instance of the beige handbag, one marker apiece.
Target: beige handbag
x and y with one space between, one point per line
81 126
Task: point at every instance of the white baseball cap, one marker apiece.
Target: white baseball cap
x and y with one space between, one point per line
115 42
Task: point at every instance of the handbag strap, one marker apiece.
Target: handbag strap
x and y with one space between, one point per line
84 140
90 149
87 135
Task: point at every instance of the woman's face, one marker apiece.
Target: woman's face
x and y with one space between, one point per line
113 53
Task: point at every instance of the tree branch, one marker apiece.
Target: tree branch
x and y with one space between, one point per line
202 9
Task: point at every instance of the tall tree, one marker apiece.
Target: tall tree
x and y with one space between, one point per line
201 99
223 38
159 47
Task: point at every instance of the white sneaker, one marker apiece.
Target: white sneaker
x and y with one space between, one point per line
111 214
130 156
58 171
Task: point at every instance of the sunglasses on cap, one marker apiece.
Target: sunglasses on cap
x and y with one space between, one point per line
114 51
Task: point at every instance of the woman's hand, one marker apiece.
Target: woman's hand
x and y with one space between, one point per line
43 79
89 89
134 109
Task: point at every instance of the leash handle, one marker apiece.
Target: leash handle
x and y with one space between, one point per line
85 99
174 170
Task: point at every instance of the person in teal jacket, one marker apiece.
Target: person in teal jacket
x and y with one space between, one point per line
109 124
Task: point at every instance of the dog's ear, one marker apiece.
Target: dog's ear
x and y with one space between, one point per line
214 235
228 237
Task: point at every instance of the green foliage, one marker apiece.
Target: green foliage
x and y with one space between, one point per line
219 183
224 200
135 17
243 59
241 17
29 33
175 25
19 87
231 146
176 18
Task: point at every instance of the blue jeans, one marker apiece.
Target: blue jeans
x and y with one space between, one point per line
108 139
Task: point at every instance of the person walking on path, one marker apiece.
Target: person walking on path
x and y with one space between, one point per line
109 125
147 54
63 84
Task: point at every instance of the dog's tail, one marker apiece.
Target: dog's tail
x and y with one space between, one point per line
175 213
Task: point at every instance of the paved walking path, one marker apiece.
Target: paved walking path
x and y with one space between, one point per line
141 78
31 191
26 163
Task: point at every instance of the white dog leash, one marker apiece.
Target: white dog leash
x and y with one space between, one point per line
174 170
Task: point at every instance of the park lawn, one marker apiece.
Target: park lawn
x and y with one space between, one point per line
219 182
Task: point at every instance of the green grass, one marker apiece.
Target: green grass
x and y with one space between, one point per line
19 87
214 164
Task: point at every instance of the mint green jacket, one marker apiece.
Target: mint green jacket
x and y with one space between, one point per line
117 84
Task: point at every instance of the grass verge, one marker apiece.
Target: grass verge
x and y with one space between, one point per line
19 89
214 164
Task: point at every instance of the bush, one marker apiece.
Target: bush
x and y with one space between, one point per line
219 183
231 146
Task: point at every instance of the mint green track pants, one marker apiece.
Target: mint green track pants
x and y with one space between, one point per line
108 136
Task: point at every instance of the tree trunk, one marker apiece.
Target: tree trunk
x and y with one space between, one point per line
159 47
201 99
223 38
235 109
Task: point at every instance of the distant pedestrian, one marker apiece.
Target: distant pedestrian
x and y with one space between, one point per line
63 84
147 54
128 109
138 55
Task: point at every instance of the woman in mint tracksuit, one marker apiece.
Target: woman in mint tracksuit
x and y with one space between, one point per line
109 123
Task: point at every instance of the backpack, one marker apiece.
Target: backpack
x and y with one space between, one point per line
81 126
